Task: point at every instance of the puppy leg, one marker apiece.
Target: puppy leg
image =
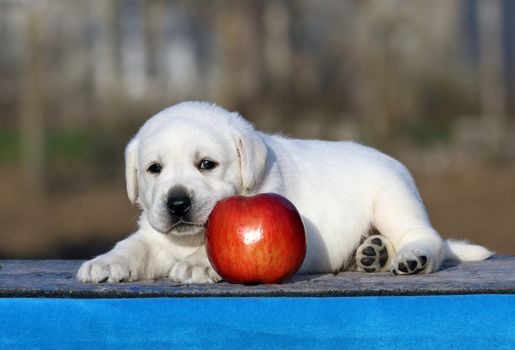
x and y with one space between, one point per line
400 216
129 260
195 268
419 250
374 254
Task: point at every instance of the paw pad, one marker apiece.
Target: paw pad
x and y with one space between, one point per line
372 255
410 266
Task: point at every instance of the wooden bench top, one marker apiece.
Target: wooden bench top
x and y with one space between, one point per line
56 279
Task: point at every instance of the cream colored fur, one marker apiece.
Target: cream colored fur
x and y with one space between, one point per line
341 189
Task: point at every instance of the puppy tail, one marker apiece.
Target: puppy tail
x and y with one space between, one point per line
464 251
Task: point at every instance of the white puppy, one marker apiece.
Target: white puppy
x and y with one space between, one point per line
360 207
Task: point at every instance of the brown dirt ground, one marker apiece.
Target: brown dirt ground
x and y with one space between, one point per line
477 204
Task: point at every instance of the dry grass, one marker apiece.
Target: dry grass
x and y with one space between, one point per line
477 204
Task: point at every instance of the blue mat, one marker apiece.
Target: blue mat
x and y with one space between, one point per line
424 322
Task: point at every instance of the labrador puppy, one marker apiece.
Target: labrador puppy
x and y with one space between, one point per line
361 208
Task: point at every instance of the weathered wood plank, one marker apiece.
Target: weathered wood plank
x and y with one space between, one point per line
56 278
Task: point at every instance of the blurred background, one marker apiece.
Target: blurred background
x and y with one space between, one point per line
430 82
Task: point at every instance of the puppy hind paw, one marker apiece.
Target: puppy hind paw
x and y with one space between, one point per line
374 254
410 263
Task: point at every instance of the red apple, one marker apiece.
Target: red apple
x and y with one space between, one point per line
257 239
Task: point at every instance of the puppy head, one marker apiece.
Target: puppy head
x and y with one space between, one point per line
185 159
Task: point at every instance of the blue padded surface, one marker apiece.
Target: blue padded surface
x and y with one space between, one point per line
424 322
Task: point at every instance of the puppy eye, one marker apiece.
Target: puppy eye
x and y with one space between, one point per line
207 164
154 168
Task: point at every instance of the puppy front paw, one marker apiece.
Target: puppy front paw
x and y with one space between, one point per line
187 271
106 268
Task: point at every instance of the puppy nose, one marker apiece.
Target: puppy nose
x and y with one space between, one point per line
178 202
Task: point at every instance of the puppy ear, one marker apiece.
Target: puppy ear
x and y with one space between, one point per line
253 154
131 170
